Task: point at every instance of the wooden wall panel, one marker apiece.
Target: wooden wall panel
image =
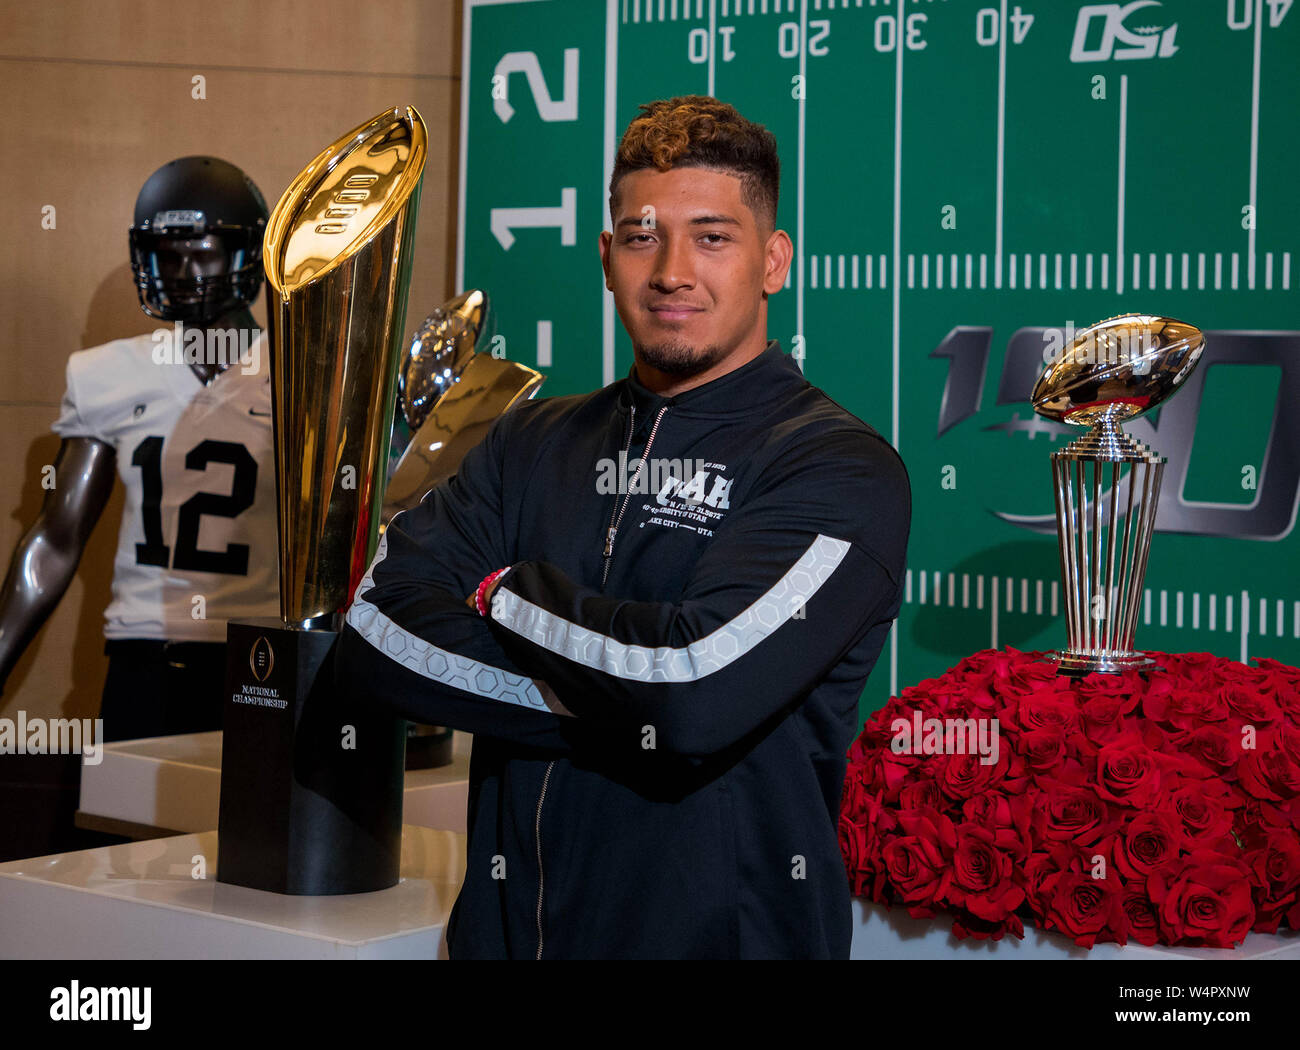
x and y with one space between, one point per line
379 38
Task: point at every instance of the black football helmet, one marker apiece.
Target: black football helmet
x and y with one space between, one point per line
196 242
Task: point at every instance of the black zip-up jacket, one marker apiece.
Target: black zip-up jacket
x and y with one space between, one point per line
666 686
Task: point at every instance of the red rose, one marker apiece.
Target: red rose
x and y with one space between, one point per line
1073 814
1204 820
1127 773
1098 686
1288 699
979 662
1185 663
918 861
1102 718
1185 708
1190 671
1042 748
1282 671
857 857
966 775
1007 817
1143 925
1250 702
1177 764
1283 683
1105 847
1148 842
1267 771
1205 901
1083 908
1050 709
864 823
977 695
981 876
1215 748
1258 817
1276 868
1038 868
1024 678
892 772
1288 737
1256 679
918 794
857 792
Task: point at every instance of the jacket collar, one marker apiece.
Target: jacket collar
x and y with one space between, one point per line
770 375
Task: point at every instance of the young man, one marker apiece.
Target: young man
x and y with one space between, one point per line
664 681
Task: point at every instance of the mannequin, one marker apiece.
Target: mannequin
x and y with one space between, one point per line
191 439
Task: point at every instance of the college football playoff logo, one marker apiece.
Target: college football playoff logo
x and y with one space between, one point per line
261 659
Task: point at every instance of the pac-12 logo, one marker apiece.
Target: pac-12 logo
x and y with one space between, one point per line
1139 41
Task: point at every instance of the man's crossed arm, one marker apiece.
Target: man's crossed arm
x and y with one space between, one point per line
784 589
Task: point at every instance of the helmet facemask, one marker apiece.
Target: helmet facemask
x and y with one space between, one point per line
187 269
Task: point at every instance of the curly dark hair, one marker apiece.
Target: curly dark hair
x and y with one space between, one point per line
698 131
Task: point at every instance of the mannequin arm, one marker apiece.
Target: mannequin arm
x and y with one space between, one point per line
46 557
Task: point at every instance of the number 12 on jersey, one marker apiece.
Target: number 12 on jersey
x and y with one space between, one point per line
189 556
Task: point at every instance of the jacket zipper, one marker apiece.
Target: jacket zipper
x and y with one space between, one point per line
615 520
537 828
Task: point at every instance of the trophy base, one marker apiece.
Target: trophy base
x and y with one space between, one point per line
1077 665
311 788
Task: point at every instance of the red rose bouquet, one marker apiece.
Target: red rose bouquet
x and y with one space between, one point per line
1162 806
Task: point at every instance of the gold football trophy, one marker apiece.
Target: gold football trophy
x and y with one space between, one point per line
301 810
1106 483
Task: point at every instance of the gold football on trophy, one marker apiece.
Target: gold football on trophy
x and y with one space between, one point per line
337 256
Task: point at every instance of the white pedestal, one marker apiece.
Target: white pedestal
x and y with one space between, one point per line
890 933
140 900
173 783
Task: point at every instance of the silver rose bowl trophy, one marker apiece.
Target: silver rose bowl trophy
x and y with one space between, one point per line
450 392
1106 483
311 791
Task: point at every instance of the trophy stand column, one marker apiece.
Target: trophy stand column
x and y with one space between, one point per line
1104 541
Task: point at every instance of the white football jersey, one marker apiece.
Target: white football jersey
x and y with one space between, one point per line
197 544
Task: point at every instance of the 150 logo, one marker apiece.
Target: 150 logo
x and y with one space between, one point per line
1141 41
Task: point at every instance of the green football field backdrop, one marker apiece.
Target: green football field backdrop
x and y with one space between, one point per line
965 181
